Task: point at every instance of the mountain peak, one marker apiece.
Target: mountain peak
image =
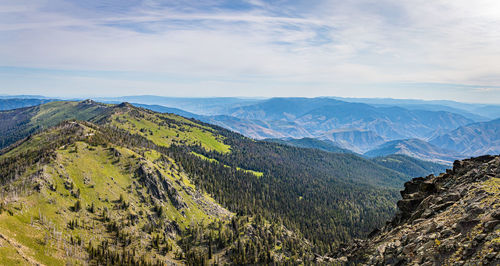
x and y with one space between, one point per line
125 105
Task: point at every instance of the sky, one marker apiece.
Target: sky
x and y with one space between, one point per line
420 49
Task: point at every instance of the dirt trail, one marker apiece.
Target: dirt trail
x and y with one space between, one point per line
19 248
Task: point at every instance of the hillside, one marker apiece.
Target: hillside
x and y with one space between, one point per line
311 143
401 163
410 166
19 123
414 148
356 140
450 219
13 103
472 140
78 179
248 201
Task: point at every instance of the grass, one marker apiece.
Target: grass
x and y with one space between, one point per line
9 255
186 132
52 113
101 178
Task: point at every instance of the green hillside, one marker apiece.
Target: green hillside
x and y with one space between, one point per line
19 123
410 166
81 197
312 143
135 185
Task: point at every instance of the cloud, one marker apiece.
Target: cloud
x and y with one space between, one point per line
328 44
489 89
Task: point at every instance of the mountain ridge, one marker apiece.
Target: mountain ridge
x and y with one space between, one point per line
414 148
172 162
452 218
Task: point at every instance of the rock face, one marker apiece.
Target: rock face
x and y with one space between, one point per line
450 219
159 186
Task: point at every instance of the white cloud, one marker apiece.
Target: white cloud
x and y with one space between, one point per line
333 43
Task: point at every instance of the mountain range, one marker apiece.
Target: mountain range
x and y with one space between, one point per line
161 187
88 182
368 126
414 148
472 140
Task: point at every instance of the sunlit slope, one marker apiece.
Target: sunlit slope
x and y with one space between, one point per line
166 129
83 193
162 129
321 197
86 188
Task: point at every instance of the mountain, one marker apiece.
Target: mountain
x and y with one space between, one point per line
311 143
401 163
19 123
410 166
450 219
164 109
320 115
475 111
473 139
491 111
132 185
73 194
251 128
201 106
258 129
414 148
13 103
356 140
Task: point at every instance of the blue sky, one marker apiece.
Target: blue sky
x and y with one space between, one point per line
362 48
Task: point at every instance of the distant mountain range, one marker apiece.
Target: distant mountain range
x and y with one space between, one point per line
414 148
473 139
319 115
7 103
439 131
473 111
353 139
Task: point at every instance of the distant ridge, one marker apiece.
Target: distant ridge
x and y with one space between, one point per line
414 148
472 140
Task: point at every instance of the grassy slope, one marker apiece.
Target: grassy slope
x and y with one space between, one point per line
154 126
163 130
101 178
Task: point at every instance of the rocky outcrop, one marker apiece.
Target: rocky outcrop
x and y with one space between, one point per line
450 219
159 186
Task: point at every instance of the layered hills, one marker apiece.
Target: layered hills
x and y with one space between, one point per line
360 125
405 164
320 115
414 148
119 184
473 139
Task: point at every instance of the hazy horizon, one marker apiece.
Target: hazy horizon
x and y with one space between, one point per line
76 97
